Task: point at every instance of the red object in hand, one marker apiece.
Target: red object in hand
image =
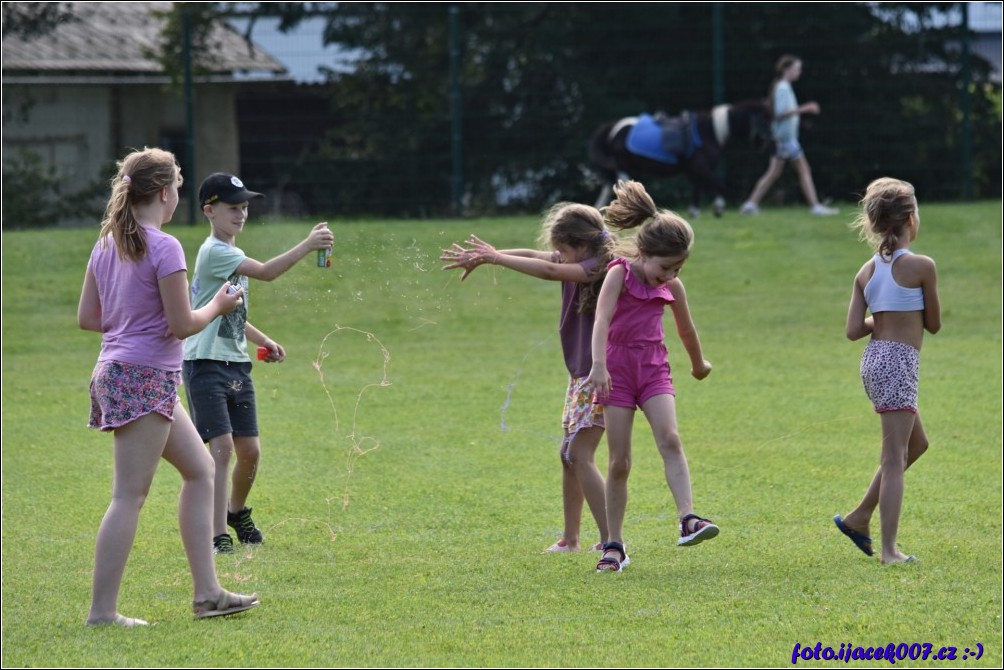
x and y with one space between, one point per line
263 353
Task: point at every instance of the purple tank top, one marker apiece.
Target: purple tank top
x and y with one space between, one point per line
576 329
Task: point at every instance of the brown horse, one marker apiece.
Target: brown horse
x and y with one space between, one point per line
690 145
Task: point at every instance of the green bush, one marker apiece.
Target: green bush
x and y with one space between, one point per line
34 196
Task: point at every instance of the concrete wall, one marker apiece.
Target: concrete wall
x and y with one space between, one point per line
83 129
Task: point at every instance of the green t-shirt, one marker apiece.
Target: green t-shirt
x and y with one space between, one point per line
223 339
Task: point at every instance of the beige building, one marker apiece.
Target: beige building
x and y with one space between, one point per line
83 95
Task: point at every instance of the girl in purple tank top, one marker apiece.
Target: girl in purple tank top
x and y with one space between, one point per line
630 366
582 247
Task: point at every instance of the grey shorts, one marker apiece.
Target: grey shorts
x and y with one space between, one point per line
890 372
221 398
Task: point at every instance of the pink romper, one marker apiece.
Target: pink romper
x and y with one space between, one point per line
636 350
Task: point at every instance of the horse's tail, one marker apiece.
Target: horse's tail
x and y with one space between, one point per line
599 152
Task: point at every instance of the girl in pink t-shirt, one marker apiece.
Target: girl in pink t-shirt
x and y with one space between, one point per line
135 293
582 247
630 367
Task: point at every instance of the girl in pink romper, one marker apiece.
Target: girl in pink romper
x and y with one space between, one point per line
630 367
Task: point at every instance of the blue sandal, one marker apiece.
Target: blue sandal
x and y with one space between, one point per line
860 540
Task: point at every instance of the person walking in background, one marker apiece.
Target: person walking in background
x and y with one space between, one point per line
630 365
900 289
581 250
217 370
135 293
784 126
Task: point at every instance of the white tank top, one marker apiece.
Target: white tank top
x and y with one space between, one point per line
883 294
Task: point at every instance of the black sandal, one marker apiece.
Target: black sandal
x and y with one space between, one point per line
703 530
610 564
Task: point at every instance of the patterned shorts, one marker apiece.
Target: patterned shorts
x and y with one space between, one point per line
581 411
890 372
124 392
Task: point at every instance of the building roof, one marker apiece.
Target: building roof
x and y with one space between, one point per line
114 38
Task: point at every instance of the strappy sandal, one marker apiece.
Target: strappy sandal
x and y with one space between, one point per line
609 563
227 603
703 529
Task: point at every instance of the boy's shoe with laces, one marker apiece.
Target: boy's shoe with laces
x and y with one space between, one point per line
223 544
246 531
749 208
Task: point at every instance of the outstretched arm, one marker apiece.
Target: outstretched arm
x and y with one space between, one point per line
320 238
685 328
528 261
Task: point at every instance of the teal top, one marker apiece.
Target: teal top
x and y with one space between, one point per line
223 339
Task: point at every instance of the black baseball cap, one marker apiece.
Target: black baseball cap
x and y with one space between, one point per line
225 188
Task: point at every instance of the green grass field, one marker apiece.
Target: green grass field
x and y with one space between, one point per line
406 513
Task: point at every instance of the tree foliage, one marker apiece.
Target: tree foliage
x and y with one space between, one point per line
535 79
31 20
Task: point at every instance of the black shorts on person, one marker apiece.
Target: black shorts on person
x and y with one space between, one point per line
221 398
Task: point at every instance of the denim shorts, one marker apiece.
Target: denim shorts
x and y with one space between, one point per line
788 150
221 398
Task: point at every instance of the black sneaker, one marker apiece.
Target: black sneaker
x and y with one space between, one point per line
223 544
245 529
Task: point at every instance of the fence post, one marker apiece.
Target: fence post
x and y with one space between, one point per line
191 179
456 139
718 66
718 53
967 104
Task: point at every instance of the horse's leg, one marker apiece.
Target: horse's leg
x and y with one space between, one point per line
695 199
701 171
719 205
604 198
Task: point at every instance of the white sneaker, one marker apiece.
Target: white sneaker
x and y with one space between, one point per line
749 208
823 210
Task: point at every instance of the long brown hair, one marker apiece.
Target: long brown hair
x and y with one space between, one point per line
577 226
141 176
663 233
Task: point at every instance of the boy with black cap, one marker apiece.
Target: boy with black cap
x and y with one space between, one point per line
217 368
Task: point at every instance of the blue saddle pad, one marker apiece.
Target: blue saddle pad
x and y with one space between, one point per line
645 139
